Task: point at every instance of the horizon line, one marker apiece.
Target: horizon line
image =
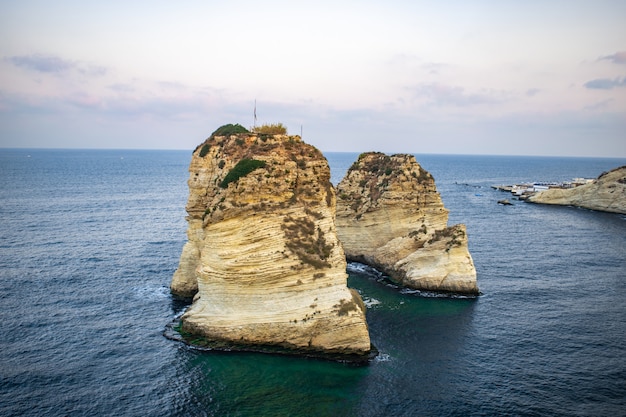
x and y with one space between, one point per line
324 152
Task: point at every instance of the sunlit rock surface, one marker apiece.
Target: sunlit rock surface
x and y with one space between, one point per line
262 256
606 193
390 216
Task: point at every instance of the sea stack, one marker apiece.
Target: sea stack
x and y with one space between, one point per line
391 217
262 256
606 193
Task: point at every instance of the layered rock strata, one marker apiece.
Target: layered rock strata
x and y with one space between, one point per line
390 216
262 256
606 193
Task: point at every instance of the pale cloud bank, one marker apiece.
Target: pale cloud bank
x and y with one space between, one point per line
438 94
616 58
54 65
606 83
465 77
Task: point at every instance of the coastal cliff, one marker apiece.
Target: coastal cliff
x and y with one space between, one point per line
605 193
391 217
262 256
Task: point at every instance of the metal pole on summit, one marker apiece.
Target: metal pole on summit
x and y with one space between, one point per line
254 112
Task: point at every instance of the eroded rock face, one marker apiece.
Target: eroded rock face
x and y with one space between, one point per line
390 216
606 193
262 255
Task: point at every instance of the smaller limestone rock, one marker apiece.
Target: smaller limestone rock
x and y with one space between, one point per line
443 264
390 216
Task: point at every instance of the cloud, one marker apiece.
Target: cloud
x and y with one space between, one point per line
51 64
181 122
139 107
445 95
118 104
121 88
600 106
434 68
414 63
92 70
616 58
532 92
42 63
605 83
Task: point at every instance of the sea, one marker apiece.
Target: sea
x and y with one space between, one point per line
89 240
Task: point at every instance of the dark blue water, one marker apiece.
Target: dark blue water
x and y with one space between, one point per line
89 241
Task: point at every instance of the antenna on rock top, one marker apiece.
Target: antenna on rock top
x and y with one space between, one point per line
255 112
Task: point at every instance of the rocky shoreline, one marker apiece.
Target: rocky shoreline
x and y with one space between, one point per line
606 193
174 332
526 190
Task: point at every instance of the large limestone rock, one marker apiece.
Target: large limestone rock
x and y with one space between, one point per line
606 193
263 256
390 216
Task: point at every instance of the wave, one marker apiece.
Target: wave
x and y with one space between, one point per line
370 302
359 268
162 242
151 293
431 294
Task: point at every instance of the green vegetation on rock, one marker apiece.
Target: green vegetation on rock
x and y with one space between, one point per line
204 150
229 129
243 168
225 130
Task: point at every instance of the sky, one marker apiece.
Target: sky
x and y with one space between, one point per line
534 77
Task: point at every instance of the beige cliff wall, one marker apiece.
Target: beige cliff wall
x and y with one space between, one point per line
263 253
390 216
606 193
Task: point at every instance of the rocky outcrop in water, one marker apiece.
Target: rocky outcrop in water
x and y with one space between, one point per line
390 216
606 193
262 256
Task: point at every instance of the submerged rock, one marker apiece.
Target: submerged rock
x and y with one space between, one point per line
606 193
390 216
262 256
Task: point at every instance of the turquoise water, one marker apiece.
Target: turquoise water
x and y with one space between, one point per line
90 239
